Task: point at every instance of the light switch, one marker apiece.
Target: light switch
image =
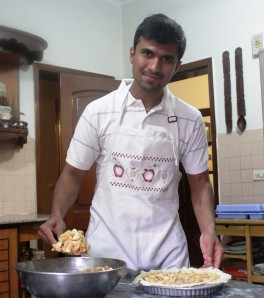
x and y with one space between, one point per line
258 174
257 41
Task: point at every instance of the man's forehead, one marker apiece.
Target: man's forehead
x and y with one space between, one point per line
151 44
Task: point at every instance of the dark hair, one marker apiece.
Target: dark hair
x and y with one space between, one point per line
163 30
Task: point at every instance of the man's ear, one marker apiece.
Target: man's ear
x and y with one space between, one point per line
132 54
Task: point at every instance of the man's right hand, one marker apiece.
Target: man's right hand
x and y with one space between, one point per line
52 229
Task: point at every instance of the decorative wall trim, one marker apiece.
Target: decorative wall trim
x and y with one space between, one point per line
118 3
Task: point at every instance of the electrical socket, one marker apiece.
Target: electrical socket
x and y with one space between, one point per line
258 174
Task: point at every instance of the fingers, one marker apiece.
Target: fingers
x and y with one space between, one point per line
50 230
218 255
47 234
208 261
212 251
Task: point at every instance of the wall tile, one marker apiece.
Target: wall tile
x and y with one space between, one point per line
257 148
224 165
31 206
246 162
245 149
247 189
258 187
9 208
258 200
233 150
224 177
20 207
225 190
1 208
245 153
246 175
8 195
20 194
258 161
31 194
236 189
222 152
30 156
18 179
235 176
234 164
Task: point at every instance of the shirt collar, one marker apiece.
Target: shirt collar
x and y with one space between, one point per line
132 101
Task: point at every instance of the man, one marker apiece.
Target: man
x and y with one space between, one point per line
137 135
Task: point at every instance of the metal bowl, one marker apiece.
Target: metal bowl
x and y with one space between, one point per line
63 277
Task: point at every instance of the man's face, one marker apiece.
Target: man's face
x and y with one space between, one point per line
154 64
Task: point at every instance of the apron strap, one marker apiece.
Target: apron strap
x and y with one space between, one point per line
174 128
122 94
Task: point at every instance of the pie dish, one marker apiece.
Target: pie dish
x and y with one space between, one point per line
182 281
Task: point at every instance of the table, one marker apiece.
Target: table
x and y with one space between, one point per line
125 289
247 228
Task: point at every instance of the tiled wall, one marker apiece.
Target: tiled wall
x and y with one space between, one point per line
238 156
18 179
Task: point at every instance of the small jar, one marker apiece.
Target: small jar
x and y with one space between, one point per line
24 253
5 112
38 255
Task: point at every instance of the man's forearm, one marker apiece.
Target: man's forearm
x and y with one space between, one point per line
203 205
66 191
203 202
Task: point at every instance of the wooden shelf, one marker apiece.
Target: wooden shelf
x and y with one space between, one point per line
248 229
14 131
234 256
18 47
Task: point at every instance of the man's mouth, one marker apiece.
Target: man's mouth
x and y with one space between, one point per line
153 76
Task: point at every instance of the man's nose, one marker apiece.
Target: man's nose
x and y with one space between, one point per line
155 64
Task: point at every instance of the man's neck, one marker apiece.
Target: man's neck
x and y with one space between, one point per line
149 100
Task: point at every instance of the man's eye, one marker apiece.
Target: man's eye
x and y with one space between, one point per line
168 59
147 53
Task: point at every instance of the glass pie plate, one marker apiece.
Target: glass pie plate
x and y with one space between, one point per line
203 290
182 282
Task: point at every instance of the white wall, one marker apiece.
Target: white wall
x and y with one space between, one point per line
81 34
86 35
211 27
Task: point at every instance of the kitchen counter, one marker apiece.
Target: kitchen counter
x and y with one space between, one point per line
15 229
125 289
23 218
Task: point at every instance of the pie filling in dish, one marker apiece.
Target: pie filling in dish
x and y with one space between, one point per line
182 277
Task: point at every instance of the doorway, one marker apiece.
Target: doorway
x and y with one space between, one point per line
194 84
61 94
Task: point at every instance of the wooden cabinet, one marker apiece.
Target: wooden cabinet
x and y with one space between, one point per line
8 257
13 233
247 229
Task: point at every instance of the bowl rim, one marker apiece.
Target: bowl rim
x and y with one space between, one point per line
19 269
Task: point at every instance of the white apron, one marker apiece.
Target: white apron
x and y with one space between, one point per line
134 213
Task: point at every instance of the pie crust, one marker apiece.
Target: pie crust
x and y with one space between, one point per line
182 277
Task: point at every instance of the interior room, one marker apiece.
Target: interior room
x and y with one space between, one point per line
83 52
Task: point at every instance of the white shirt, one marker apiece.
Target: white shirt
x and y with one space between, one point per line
98 120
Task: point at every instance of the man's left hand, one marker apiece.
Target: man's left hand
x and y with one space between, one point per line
212 250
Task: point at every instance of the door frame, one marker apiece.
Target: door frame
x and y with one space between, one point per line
53 72
194 69
191 228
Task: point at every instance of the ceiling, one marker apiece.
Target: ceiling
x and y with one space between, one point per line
118 3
